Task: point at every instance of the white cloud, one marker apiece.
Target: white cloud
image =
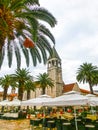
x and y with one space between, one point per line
76 34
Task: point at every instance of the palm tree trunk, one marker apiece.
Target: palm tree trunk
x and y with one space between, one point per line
91 88
28 94
20 93
5 92
20 90
43 91
4 96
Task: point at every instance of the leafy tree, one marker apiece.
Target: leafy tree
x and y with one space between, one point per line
21 76
5 82
87 73
29 85
44 81
22 28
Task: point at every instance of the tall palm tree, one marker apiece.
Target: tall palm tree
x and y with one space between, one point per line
44 81
23 20
29 85
21 76
5 82
87 73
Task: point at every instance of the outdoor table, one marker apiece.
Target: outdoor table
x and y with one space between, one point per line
51 124
1 114
92 117
66 126
58 124
78 121
35 123
80 124
90 127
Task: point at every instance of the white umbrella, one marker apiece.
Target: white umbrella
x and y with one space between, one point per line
15 102
39 101
92 100
4 103
69 99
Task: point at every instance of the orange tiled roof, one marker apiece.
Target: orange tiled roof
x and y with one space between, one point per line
68 87
84 91
13 94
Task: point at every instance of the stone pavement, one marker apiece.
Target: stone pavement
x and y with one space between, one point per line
23 124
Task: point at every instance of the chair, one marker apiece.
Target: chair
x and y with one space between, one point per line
44 122
51 124
35 123
66 126
90 127
58 123
80 124
95 123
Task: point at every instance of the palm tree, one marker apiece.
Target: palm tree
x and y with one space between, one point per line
5 82
87 73
23 20
44 81
21 76
29 85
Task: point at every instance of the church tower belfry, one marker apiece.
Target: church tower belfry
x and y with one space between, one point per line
54 70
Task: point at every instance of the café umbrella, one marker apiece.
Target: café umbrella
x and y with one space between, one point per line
4 103
15 102
71 98
39 101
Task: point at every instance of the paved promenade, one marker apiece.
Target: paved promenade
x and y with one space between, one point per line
14 124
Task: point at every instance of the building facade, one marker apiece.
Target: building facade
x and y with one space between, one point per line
54 70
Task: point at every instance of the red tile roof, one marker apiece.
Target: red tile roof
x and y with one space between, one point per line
84 91
68 87
13 94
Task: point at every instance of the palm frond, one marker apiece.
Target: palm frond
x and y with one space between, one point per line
9 53
31 2
18 56
33 56
37 53
45 43
43 51
33 27
46 32
2 54
25 52
43 14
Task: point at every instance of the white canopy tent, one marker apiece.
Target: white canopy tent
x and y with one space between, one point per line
14 102
39 101
92 100
72 98
4 103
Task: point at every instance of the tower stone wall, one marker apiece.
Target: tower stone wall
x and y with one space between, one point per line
54 69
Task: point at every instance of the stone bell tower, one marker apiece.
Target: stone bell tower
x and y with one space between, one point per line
54 70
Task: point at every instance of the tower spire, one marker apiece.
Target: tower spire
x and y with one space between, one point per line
55 72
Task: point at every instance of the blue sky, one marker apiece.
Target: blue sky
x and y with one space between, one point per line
76 35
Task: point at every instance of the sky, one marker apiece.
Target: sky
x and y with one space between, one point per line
76 35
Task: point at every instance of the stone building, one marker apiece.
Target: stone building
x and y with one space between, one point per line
54 69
